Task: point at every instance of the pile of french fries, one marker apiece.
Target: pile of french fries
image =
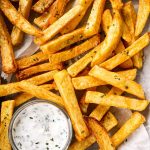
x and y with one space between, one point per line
105 51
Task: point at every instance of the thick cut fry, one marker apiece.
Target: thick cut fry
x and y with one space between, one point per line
94 20
54 29
24 9
75 51
39 92
116 101
138 60
118 81
116 4
63 82
7 55
42 5
84 82
54 13
17 19
6 115
121 57
63 41
11 88
142 16
111 41
74 23
29 61
101 135
128 128
37 69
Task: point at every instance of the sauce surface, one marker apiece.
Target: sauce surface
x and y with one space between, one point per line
41 126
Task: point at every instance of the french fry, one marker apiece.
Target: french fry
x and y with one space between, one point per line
24 9
29 61
63 82
41 5
11 88
23 74
39 92
63 41
142 16
6 115
54 29
110 42
75 51
7 55
17 19
133 49
116 101
128 128
85 82
101 135
74 23
94 20
54 13
116 4
23 97
138 59
118 81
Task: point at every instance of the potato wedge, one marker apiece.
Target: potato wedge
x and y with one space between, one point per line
6 115
101 135
118 81
7 54
110 42
16 34
116 4
63 82
54 29
75 51
128 128
17 19
41 5
94 20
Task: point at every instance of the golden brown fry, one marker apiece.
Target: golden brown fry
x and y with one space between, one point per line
41 5
94 20
6 115
75 51
7 55
29 61
116 4
63 82
24 9
101 135
54 29
118 81
17 19
128 128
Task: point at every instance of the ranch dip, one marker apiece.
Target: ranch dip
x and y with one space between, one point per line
40 126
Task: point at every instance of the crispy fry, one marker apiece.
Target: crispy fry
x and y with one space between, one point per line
75 51
7 55
29 61
121 57
63 41
24 9
11 88
41 5
142 16
54 29
17 19
128 128
39 92
53 14
118 81
138 59
111 41
63 82
6 115
116 4
101 135
94 20
38 69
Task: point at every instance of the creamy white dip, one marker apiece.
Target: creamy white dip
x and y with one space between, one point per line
41 126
